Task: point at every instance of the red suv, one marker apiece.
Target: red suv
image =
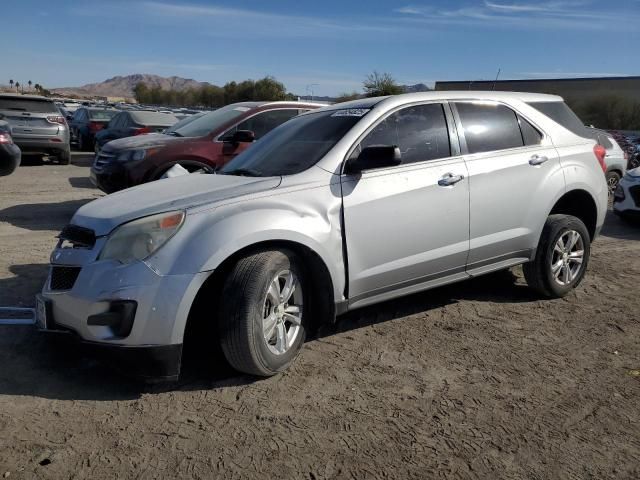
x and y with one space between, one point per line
206 143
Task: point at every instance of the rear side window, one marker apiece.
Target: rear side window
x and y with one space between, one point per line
420 132
560 113
489 127
28 105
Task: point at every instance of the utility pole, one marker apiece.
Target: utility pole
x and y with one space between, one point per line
310 87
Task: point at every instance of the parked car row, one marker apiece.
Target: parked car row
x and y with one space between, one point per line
334 209
630 144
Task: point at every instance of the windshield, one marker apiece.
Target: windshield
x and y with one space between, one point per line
207 123
183 122
296 145
102 114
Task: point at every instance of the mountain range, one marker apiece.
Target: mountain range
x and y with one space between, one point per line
122 86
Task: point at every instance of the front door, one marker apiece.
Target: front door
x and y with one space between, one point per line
407 226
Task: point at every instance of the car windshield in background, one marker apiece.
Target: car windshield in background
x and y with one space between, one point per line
207 123
153 118
172 130
102 114
296 145
28 105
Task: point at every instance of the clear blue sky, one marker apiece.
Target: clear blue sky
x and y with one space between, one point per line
332 43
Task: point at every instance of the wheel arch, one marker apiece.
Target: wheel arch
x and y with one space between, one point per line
581 204
323 308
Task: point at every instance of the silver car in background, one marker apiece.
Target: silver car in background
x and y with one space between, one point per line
37 126
339 208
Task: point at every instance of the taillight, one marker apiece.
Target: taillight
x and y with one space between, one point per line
95 127
5 138
56 119
600 152
141 131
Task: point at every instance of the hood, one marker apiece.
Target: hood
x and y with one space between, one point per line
635 173
142 141
178 193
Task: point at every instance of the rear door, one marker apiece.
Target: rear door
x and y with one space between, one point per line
513 167
405 226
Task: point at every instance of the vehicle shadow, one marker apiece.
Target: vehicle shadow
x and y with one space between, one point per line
42 216
21 289
498 287
615 227
81 182
54 367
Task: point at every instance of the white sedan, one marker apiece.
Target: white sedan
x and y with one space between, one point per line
626 198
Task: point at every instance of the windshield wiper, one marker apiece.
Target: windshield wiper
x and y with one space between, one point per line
243 172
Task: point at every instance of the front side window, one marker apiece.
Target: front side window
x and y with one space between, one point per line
419 131
488 127
264 122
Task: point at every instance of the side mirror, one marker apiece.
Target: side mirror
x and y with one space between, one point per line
241 136
377 156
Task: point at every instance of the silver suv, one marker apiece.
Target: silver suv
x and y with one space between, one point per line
36 125
339 208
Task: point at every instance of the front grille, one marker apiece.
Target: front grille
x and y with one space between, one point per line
635 194
63 278
79 237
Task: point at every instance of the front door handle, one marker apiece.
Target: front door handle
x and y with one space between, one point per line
449 179
538 160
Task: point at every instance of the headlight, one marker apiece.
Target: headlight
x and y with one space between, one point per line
140 238
134 155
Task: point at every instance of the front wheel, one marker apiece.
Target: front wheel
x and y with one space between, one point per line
561 258
263 312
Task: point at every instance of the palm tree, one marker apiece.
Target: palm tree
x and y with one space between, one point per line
11 84
29 82
17 86
37 87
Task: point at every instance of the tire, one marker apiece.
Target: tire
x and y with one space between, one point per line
64 157
80 142
8 167
613 178
252 326
539 273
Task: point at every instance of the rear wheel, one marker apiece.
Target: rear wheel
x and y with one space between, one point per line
64 157
561 258
263 312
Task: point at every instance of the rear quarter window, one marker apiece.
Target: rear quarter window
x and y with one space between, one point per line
560 113
28 105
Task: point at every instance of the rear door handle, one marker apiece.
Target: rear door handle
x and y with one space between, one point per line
538 160
449 179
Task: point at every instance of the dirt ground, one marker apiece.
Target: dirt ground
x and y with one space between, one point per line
475 380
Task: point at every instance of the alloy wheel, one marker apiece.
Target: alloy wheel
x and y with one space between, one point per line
282 312
567 258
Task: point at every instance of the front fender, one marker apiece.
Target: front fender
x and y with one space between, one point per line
209 237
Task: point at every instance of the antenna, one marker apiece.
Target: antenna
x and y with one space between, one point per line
494 82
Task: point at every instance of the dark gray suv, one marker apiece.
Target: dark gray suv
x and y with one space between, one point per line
36 125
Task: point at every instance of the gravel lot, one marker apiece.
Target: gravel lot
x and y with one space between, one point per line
475 380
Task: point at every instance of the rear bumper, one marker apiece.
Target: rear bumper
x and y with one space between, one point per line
43 145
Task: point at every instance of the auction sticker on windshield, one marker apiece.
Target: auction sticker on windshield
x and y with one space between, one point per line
351 112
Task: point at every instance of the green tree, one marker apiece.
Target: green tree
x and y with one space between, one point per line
379 84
